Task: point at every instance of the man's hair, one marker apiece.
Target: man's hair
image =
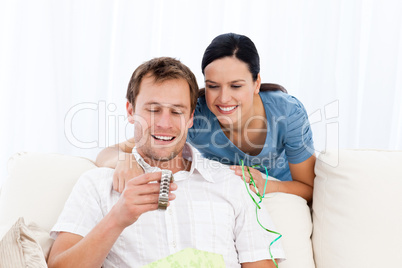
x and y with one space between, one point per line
162 69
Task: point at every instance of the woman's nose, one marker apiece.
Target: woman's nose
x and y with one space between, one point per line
224 96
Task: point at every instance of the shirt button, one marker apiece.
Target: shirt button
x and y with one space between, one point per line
174 244
170 212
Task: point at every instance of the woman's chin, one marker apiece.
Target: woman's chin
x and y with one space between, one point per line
227 122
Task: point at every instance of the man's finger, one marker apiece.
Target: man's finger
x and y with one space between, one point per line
152 188
150 207
151 199
146 178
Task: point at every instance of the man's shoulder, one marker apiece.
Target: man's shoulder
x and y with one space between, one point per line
221 172
213 165
97 176
98 171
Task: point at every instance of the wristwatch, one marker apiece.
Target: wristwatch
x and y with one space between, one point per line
166 179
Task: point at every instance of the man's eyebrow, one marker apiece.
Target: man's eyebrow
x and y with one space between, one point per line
165 104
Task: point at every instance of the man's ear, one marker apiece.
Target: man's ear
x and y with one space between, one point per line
258 84
130 112
191 121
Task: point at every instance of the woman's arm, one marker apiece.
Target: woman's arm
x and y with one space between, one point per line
302 174
303 178
109 156
258 264
120 158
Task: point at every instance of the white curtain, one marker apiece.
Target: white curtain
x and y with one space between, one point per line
65 65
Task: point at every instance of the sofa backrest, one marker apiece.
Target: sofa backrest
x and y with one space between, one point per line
39 184
37 187
357 209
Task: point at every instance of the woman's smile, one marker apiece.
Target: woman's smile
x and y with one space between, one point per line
227 109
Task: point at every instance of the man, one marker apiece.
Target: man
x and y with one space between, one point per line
211 210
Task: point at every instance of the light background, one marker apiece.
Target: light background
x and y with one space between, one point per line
65 65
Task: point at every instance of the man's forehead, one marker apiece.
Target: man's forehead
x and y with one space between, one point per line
165 104
172 93
151 79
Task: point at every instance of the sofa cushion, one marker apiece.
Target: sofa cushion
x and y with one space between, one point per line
37 187
291 216
357 207
20 247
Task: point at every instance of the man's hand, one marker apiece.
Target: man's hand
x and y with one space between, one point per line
125 170
140 195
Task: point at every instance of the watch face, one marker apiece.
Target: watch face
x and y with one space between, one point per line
166 179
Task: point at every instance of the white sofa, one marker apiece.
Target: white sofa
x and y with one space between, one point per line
355 220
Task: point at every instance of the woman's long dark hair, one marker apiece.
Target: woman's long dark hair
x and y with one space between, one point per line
241 47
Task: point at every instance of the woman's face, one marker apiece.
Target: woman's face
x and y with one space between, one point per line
230 90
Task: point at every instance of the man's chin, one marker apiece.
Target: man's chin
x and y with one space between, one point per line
161 156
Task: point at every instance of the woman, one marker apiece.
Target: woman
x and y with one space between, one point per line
239 119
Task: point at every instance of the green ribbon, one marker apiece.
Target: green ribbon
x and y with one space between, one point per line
252 182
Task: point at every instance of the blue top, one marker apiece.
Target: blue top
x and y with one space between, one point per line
289 136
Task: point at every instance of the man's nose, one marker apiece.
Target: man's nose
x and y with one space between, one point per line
164 120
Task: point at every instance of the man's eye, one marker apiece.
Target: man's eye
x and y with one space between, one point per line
177 112
152 110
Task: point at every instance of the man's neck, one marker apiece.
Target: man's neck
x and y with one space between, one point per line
175 165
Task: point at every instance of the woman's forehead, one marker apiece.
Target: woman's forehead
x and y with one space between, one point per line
228 68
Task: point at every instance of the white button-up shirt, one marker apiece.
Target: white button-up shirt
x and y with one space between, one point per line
212 212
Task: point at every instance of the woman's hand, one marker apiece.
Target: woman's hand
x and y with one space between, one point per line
301 185
126 169
257 176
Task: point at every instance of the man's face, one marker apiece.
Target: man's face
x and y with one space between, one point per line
161 118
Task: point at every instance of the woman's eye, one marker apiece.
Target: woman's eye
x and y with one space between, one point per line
211 86
236 86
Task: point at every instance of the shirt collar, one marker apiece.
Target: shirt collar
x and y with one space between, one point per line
198 162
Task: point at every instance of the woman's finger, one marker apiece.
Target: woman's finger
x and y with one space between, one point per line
252 188
246 176
115 182
239 171
122 184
